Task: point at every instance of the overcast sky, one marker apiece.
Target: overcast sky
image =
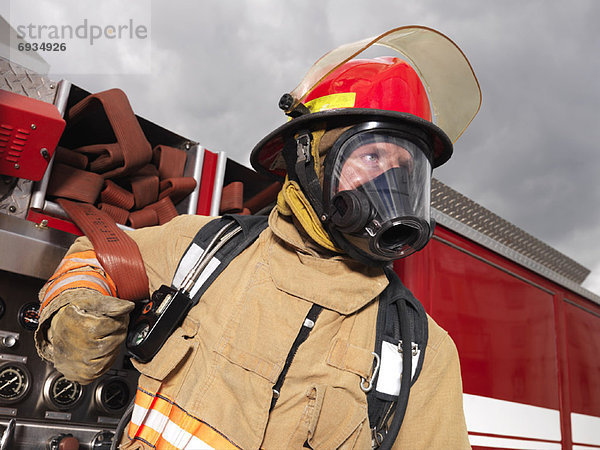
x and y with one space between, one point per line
214 72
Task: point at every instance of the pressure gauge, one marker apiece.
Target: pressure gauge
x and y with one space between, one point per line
15 382
112 395
29 315
60 392
102 440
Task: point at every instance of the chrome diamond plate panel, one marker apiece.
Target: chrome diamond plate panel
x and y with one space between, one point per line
472 215
18 79
14 196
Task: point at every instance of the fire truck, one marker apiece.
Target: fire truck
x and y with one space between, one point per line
527 332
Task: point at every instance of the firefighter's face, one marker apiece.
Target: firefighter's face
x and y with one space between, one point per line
371 160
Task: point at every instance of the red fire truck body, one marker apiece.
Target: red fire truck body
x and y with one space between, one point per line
527 333
529 343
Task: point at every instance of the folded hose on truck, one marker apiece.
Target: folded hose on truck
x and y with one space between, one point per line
125 176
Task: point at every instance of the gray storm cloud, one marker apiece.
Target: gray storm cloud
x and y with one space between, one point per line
531 155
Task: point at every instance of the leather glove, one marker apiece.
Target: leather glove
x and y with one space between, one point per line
85 336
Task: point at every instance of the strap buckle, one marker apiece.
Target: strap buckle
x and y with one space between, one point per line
376 438
414 347
303 148
367 385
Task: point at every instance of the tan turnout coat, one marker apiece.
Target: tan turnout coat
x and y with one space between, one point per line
221 364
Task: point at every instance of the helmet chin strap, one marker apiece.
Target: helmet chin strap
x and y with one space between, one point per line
306 174
301 193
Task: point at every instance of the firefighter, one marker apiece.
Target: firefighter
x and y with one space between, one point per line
357 157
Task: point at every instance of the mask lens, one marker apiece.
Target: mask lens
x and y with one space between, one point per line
392 170
391 176
367 155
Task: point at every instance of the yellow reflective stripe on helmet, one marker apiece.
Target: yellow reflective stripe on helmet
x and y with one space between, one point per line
332 101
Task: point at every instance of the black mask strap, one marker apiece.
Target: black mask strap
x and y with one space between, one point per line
307 176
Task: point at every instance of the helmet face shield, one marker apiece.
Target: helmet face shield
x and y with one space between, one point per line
377 190
373 200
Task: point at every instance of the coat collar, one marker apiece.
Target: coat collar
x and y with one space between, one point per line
334 282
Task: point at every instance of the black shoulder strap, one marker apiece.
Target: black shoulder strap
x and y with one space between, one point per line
251 226
401 325
401 319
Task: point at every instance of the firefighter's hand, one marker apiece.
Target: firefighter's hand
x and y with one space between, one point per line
85 336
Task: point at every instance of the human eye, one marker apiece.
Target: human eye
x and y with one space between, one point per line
370 157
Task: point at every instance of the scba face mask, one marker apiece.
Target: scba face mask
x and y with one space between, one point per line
377 191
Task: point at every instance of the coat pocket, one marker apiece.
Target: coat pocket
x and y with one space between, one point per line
173 352
251 362
337 420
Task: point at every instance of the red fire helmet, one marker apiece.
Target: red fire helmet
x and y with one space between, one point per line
435 84
385 83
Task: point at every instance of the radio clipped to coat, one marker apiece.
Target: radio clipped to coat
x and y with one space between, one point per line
153 321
